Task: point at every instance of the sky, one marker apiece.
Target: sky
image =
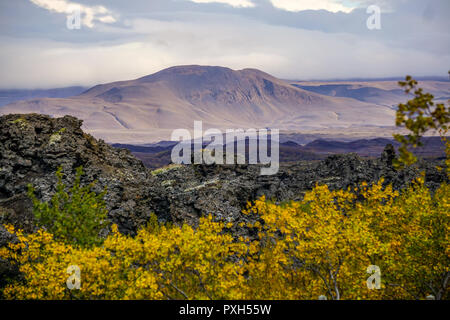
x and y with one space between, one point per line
290 39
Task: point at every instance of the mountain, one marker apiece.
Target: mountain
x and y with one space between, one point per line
358 92
148 109
12 95
378 92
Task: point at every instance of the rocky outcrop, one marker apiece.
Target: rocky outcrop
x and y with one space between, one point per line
32 147
193 191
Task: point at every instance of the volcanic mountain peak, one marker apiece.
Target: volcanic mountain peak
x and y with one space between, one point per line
148 109
204 84
206 72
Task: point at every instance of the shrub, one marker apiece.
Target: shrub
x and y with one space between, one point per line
327 249
74 216
419 115
158 263
322 245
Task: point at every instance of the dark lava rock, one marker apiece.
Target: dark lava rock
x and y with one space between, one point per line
225 190
32 147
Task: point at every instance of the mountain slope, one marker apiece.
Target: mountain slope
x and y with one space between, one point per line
378 92
150 108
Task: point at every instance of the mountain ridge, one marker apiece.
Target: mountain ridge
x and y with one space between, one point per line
149 108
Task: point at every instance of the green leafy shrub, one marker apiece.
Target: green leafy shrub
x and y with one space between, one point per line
74 216
418 115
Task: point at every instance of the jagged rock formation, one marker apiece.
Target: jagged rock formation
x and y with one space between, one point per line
196 190
33 146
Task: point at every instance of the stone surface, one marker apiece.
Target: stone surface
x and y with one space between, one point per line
32 147
193 191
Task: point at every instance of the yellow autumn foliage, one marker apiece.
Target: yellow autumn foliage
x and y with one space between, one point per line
322 245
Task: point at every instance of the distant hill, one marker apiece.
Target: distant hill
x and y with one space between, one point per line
11 95
148 109
155 156
359 92
386 92
419 78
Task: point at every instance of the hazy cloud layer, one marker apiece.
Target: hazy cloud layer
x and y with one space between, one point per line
288 5
233 3
89 13
301 5
37 50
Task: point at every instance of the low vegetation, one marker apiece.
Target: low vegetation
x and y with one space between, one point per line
74 215
320 246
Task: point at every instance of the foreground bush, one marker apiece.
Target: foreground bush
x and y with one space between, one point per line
320 246
328 241
74 215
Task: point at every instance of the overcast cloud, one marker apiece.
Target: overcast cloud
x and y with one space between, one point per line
295 39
